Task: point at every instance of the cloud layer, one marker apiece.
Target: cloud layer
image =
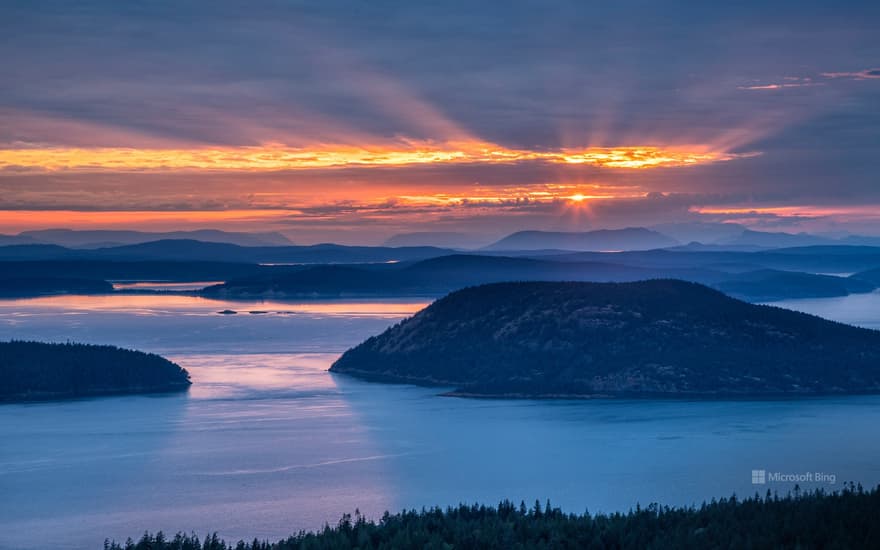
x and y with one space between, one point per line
472 114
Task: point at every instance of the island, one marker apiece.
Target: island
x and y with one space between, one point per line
649 338
33 371
15 287
436 277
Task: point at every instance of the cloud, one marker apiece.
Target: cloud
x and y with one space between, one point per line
808 82
393 76
798 83
867 74
276 157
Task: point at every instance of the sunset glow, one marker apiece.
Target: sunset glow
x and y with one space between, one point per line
263 264
325 126
273 157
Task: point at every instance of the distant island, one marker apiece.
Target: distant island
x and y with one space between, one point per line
13 287
649 338
333 271
39 371
444 274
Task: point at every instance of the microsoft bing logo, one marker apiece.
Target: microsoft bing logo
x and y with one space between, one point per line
759 477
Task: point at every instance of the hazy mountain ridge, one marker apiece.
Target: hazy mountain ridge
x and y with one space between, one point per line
124 270
767 239
767 285
815 259
191 250
431 277
96 238
660 337
631 238
426 271
871 276
438 276
439 239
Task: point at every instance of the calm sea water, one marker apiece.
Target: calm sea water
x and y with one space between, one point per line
267 442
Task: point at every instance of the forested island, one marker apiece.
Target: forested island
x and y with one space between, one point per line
438 276
845 519
334 271
14 287
649 338
41 371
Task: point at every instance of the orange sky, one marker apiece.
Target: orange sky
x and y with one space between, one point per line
352 122
273 157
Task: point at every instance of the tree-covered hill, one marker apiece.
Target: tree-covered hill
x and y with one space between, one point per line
846 519
33 286
444 274
35 371
659 337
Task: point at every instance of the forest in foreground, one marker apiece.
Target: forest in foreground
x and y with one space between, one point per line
843 519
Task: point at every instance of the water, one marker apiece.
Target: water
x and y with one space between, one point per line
856 309
267 442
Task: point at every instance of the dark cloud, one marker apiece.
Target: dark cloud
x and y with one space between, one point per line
525 74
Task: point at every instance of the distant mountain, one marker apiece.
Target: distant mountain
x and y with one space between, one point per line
9 240
333 270
313 254
814 259
769 285
432 277
776 240
702 232
38 371
117 270
700 247
190 250
632 238
871 276
182 249
836 250
731 236
36 252
438 276
104 238
860 240
439 239
650 338
817 259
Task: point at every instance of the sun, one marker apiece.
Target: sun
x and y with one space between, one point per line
577 198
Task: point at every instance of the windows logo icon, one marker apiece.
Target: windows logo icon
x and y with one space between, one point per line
759 477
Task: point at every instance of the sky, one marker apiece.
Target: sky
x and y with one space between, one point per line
354 120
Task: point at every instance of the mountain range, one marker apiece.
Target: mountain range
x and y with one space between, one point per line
437 276
632 238
715 236
101 238
329 270
439 239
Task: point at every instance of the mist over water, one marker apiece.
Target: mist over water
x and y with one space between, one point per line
267 442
